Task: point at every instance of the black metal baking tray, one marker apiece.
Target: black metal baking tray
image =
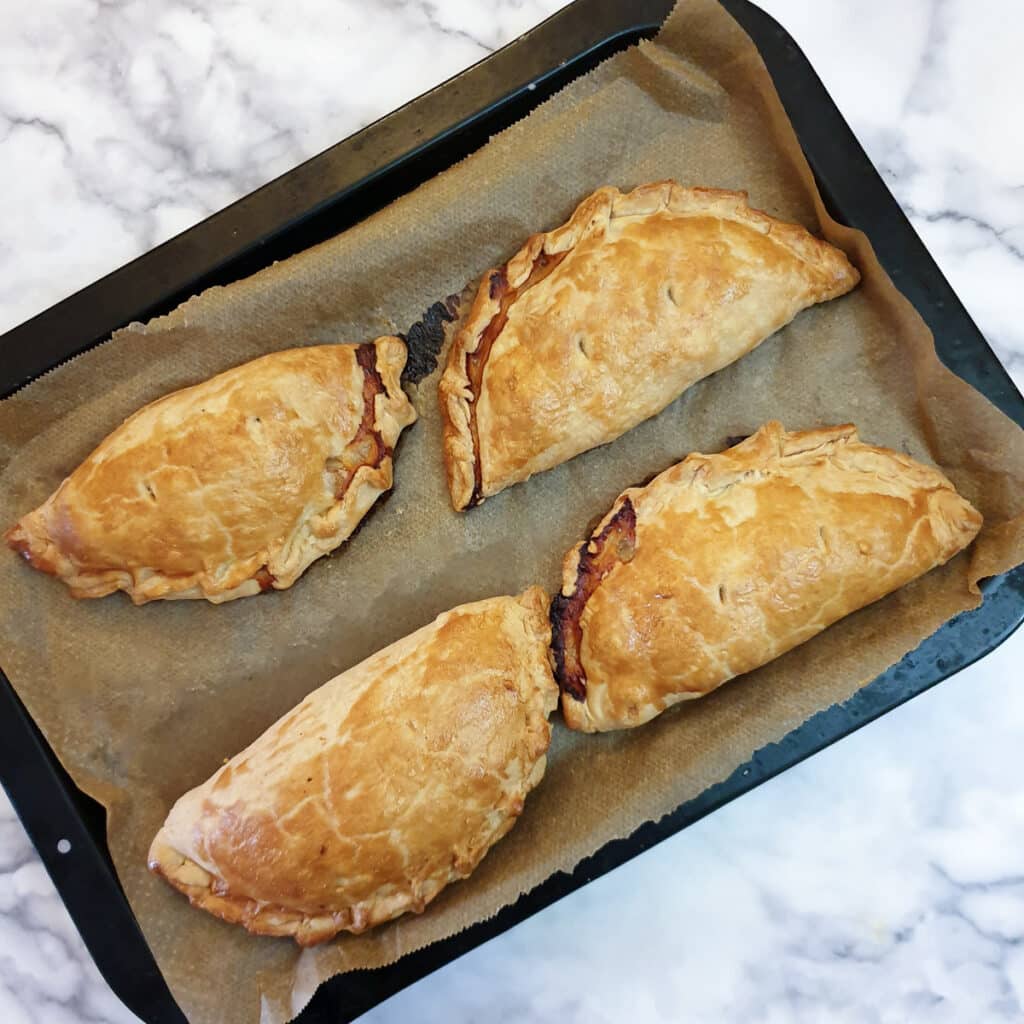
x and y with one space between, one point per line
342 186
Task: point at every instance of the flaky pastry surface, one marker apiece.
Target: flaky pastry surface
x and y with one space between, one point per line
381 787
594 327
232 486
724 562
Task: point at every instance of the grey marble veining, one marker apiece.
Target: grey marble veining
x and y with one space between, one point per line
927 86
883 880
122 123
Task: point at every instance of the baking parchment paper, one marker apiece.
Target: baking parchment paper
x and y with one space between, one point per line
140 704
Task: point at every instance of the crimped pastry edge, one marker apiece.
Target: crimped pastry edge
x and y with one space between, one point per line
592 216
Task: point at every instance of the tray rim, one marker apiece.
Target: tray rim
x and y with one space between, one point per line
758 770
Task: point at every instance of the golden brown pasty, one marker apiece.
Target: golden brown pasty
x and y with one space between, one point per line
724 562
230 487
381 787
594 327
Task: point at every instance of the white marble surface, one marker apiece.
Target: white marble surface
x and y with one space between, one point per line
883 880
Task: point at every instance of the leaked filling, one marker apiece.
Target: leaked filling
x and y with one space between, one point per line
614 545
265 578
477 361
367 448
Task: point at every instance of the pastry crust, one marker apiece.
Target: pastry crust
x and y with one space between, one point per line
594 327
724 562
381 787
232 486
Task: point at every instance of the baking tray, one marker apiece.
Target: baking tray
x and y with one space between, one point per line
327 194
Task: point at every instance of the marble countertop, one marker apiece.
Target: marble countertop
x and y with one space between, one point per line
882 880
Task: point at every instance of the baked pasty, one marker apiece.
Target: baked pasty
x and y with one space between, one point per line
232 486
724 562
381 787
594 327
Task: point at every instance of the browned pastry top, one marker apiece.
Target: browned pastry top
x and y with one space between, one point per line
593 327
732 559
232 486
381 787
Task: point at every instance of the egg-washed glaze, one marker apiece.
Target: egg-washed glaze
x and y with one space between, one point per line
381 787
599 324
232 486
734 559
